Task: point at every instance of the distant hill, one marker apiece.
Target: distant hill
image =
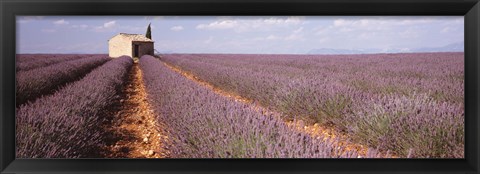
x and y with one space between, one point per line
334 51
454 47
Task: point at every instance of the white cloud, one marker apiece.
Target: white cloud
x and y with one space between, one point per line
154 18
222 24
177 28
298 30
340 22
82 26
246 25
27 19
109 24
411 33
448 29
60 22
280 21
372 24
272 37
267 34
378 23
378 32
294 36
347 25
323 30
49 30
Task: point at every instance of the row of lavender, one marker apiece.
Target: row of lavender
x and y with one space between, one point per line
67 124
206 125
393 73
20 58
25 62
35 83
393 101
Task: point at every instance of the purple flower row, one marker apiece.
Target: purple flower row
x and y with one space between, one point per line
38 82
67 124
392 101
203 124
32 61
20 58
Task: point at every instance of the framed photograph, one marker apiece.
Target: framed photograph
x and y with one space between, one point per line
239 86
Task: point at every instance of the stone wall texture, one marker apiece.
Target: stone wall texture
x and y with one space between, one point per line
120 46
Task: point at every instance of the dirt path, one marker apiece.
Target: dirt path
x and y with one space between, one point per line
313 130
134 130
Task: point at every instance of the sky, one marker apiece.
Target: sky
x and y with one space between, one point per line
239 34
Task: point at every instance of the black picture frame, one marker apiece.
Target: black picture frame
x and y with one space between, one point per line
10 8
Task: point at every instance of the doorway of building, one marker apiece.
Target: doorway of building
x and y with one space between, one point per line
135 51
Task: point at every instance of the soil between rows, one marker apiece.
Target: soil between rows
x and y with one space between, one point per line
133 129
316 130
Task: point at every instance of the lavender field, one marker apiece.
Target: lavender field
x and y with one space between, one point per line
206 125
44 77
67 124
241 106
393 102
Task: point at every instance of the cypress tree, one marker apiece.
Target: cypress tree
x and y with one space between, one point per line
149 32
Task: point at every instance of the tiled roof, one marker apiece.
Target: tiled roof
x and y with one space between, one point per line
135 37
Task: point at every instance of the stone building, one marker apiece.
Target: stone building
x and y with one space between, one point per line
133 45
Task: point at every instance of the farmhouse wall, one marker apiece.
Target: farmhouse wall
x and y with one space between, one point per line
145 48
119 46
124 44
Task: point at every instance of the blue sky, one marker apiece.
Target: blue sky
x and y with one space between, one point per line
239 34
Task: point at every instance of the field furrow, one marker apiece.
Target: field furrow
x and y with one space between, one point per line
316 131
204 124
68 124
133 128
242 106
396 102
39 82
